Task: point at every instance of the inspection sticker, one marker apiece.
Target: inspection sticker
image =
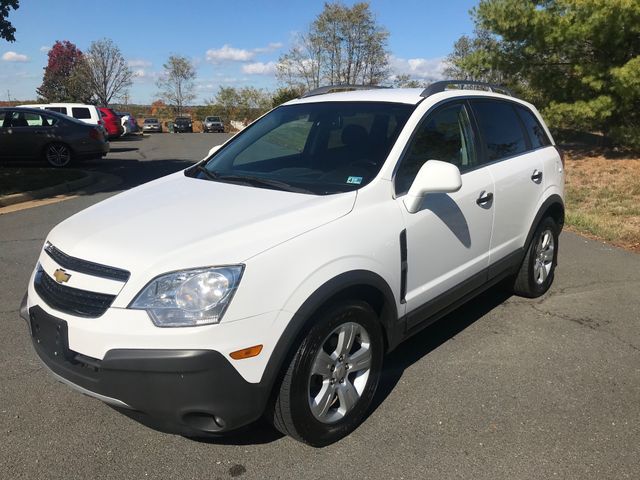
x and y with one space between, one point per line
354 180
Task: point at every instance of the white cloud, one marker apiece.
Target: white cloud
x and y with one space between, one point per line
45 48
228 53
139 63
14 57
260 68
430 69
269 48
144 75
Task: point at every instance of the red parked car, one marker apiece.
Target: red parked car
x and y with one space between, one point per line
111 122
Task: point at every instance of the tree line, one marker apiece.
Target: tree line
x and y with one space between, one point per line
577 60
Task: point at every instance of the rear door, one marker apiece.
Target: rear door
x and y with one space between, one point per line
517 171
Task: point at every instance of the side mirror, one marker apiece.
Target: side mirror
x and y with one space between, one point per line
433 177
213 150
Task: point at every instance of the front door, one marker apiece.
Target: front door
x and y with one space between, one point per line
448 238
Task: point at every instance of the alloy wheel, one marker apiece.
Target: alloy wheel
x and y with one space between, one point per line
340 372
58 155
543 259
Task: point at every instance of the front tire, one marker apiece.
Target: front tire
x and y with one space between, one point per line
329 385
538 267
58 155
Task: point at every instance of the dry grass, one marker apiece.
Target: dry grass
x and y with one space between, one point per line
603 196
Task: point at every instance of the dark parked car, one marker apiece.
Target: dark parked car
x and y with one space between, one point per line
212 124
151 125
29 133
183 124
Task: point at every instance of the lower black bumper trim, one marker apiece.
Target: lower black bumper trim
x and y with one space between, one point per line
170 385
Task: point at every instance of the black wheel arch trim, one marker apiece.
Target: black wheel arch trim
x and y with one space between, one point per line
300 321
551 201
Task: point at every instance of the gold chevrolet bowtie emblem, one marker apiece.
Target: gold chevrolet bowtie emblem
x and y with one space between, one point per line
61 276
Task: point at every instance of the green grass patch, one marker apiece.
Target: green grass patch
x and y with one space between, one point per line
18 180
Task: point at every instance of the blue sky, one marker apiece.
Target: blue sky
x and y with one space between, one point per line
231 43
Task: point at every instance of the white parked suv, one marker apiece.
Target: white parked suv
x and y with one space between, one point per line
80 111
271 278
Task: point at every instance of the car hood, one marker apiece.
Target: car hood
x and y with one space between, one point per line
179 222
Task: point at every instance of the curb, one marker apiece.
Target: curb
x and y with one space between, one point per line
62 188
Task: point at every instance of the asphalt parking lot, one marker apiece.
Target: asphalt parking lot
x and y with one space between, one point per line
502 388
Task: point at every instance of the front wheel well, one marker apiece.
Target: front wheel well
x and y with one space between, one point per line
367 293
354 285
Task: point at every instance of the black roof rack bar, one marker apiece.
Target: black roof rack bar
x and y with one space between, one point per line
338 88
441 86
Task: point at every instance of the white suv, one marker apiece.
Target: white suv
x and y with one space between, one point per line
271 278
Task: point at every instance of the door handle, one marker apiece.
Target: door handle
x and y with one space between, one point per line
536 176
484 198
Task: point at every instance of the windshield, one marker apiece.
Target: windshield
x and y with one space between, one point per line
212 119
151 120
183 120
319 148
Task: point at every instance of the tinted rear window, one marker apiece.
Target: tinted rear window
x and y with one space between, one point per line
57 109
500 128
537 135
80 112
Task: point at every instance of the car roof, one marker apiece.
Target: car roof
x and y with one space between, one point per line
411 96
39 111
58 104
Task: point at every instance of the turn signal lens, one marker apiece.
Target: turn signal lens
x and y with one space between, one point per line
246 352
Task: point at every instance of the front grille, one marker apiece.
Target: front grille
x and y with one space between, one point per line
70 300
84 266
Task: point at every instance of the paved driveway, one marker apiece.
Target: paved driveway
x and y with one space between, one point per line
501 388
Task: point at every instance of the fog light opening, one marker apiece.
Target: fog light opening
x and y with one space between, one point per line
204 421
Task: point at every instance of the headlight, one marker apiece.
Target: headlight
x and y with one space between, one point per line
189 297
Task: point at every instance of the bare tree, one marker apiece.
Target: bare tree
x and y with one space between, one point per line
176 83
344 45
106 70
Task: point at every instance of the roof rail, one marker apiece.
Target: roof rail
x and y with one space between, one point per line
441 86
338 88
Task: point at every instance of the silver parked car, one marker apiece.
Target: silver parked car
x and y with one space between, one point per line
151 125
212 124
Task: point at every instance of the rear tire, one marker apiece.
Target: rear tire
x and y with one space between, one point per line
538 267
330 382
58 155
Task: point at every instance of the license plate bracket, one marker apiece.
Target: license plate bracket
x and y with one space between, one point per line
51 334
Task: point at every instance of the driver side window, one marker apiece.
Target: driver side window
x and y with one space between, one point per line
445 135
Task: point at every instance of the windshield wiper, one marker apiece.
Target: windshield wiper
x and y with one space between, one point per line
210 175
257 182
250 180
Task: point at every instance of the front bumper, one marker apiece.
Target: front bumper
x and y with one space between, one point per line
189 389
